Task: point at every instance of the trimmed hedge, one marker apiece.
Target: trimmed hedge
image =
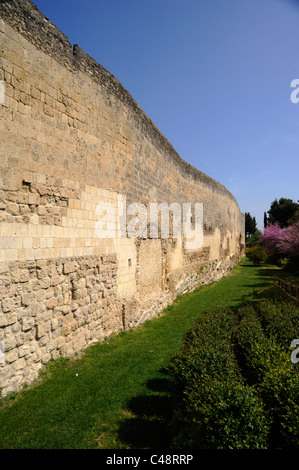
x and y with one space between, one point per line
269 367
280 320
215 408
236 386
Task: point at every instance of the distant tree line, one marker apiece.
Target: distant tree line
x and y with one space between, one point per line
250 225
284 212
280 239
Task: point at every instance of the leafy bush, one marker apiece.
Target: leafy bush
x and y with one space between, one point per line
236 386
267 365
215 408
280 320
257 254
220 414
254 239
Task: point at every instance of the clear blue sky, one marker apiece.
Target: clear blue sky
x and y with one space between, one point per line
213 75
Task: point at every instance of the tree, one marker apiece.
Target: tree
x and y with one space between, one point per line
265 219
250 225
254 239
283 212
281 242
289 245
257 254
272 237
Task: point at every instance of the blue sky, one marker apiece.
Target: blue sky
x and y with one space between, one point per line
213 75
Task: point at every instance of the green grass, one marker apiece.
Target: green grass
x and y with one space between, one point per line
117 395
290 274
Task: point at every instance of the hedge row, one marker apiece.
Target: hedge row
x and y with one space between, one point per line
280 320
268 366
215 408
236 386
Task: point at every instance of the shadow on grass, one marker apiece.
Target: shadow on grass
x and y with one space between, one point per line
259 285
149 426
251 265
266 274
269 271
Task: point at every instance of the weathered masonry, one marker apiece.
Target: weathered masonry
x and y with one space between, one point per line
73 138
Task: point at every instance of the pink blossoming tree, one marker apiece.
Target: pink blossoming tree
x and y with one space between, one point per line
271 238
289 245
281 242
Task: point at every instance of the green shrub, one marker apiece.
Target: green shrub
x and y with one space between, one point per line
254 239
280 392
220 414
206 347
257 254
236 386
269 367
215 408
280 320
249 336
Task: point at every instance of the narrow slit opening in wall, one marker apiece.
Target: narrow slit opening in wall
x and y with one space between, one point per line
129 262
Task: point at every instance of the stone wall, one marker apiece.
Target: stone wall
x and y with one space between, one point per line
73 138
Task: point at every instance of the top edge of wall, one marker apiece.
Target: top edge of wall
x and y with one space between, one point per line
28 20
